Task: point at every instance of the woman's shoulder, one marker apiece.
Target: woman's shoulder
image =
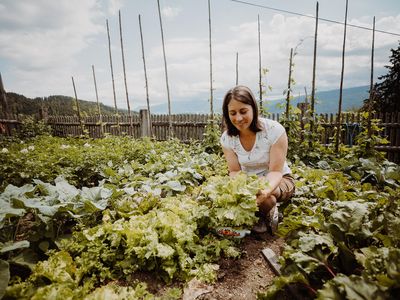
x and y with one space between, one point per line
269 123
226 139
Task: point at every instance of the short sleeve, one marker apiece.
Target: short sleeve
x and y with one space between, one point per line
276 131
225 140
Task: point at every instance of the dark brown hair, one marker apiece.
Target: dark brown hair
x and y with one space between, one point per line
242 94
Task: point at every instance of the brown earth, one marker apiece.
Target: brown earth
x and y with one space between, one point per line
242 279
238 279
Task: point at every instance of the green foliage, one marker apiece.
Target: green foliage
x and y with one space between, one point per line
150 212
386 93
31 128
151 207
231 202
367 141
303 138
211 137
55 105
342 238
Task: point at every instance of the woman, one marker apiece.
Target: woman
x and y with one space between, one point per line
256 146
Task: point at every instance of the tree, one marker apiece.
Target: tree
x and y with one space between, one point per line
386 93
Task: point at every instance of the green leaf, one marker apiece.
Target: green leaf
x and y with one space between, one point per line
309 241
352 288
280 283
10 246
27 258
4 277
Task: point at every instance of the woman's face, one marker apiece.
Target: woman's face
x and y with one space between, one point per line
240 114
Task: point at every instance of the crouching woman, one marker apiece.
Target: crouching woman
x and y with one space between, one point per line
258 146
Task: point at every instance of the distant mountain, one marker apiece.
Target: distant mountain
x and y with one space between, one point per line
326 102
54 105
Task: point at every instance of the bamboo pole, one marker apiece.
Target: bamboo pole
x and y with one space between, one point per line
145 77
259 65
312 110
111 67
338 132
237 68
98 103
124 70
78 107
166 72
289 84
371 87
211 77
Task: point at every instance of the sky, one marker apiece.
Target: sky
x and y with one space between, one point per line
43 43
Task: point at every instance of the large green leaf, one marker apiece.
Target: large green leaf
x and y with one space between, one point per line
351 288
10 246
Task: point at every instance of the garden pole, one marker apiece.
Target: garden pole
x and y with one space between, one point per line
123 68
211 77
166 73
145 78
339 117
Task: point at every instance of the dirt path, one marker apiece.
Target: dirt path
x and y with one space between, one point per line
241 279
238 279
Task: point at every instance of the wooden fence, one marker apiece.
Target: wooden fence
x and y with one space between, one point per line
188 127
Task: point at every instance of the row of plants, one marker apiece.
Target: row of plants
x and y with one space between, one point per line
342 232
155 211
83 215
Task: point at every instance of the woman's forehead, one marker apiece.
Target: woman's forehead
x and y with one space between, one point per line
237 104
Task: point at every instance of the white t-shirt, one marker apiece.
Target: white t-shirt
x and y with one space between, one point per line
256 161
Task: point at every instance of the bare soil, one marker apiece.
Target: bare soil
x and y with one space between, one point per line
243 278
238 279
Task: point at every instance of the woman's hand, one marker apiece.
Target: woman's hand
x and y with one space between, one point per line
262 195
266 199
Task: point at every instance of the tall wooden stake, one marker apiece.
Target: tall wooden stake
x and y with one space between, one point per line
289 84
371 88
111 67
314 68
123 67
145 76
78 107
259 65
211 77
339 118
237 68
166 72
98 103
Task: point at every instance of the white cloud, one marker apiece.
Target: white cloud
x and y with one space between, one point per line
188 58
170 12
46 34
114 6
40 40
43 45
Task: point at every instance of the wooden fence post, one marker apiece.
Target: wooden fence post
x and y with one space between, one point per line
144 123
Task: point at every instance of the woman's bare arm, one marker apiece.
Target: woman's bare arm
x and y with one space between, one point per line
232 161
277 160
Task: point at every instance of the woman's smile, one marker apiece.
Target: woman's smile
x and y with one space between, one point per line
240 114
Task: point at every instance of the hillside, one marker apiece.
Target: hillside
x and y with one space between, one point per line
327 102
55 105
